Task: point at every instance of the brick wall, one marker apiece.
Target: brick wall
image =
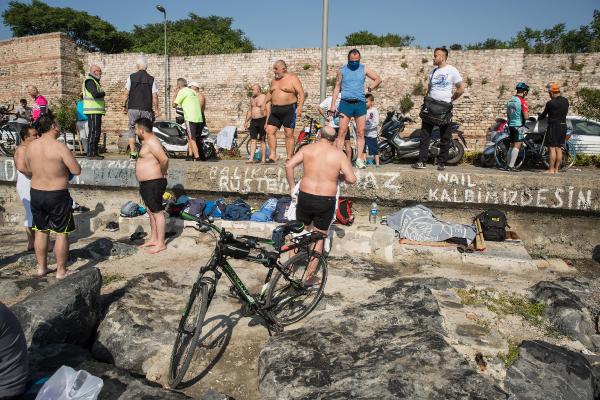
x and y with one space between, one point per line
53 63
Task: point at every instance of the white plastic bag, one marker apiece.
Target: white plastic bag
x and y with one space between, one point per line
68 384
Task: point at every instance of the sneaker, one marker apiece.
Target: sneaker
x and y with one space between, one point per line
133 155
441 167
189 158
360 164
504 168
514 169
419 165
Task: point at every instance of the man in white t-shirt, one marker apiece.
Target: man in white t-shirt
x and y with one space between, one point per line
334 122
443 79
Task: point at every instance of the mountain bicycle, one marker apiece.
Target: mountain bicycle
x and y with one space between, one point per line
534 149
288 294
309 133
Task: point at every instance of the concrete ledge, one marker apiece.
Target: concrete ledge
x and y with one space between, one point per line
577 191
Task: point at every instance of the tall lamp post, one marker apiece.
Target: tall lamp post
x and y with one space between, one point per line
323 86
167 108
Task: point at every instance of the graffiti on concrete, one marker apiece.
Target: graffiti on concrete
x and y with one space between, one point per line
270 180
120 173
462 188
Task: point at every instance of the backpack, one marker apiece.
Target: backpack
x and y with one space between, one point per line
493 224
130 210
196 207
281 208
265 214
214 208
238 211
343 214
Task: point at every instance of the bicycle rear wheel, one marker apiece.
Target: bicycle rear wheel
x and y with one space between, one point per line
292 297
189 330
501 153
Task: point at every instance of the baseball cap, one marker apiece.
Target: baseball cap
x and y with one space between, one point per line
193 83
554 88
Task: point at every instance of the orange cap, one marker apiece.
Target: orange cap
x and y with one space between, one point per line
554 88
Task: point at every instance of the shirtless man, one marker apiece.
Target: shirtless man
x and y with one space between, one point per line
256 116
322 164
151 172
51 164
27 135
286 96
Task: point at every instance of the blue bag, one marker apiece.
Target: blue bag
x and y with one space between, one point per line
214 208
238 211
265 213
281 208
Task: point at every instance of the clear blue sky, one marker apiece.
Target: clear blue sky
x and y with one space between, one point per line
284 23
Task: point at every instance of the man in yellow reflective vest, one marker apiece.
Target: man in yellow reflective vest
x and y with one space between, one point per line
93 108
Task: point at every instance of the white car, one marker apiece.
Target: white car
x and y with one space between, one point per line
585 135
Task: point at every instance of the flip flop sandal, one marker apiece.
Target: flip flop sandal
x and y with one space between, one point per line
137 236
270 161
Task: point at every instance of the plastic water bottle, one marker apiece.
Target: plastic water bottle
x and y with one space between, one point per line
373 214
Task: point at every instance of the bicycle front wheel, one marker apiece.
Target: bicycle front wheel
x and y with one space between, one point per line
293 296
189 330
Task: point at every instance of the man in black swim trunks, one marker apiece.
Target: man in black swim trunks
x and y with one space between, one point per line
286 96
322 163
256 116
51 164
556 110
151 171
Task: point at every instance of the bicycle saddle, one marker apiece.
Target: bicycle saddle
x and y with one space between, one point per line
281 232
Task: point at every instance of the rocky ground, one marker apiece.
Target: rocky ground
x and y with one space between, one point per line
410 329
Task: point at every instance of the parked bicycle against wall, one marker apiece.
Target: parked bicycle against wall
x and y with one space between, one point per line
534 150
291 291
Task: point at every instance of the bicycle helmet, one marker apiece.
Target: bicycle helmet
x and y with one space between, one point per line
522 87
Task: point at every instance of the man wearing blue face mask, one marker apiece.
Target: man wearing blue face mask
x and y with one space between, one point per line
350 85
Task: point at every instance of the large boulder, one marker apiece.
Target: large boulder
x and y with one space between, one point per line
573 307
549 372
118 384
392 346
140 325
65 312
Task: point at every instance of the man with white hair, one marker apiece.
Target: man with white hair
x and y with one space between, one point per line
141 100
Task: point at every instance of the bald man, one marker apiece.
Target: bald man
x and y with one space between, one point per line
286 96
94 109
40 104
256 121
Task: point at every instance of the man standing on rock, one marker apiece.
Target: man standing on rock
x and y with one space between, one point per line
51 165
141 100
256 116
151 172
324 165
94 109
350 86
442 80
286 96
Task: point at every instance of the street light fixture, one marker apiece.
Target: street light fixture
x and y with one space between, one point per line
167 108
325 28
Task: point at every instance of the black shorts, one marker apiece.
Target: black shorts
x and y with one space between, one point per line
257 129
283 115
194 129
515 134
556 135
315 210
152 193
52 211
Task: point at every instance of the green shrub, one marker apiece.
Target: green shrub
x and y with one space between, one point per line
575 66
404 65
419 89
406 104
469 82
306 66
65 112
471 157
484 81
424 60
511 355
588 103
331 81
587 160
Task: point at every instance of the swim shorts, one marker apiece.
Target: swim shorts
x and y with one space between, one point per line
257 129
52 211
283 115
556 134
315 210
372 146
353 107
152 193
